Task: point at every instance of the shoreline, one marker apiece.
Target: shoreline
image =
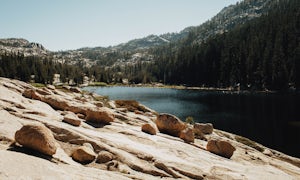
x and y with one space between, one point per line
227 90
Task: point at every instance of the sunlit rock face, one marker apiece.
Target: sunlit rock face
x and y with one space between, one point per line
120 149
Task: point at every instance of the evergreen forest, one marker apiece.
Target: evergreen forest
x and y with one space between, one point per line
261 54
256 55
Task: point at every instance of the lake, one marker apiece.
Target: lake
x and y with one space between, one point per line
270 119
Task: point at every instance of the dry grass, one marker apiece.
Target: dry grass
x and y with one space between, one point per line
190 120
131 105
222 134
249 143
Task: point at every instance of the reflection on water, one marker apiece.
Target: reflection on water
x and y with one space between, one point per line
271 119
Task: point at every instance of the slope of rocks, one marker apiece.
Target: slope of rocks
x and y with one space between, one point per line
112 140
23 46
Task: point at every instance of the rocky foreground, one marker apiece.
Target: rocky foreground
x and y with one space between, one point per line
49 133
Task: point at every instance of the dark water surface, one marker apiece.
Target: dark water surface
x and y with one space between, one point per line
270 119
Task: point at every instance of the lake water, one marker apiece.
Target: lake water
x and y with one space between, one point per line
271 119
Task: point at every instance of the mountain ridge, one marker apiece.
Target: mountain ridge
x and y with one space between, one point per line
227 18
200 50
20 45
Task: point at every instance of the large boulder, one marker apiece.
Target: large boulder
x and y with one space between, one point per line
222 148
149 128
99 115
84 155
72 119
38 137
187 135
169 124
203 128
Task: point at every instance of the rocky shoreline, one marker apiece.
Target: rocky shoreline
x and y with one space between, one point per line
227 90
48 133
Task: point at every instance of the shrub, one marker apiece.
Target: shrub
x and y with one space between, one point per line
190 120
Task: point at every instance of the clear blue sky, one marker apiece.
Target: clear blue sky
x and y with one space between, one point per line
72 24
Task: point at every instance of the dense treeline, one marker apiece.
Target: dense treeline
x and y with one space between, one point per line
263 53
19 67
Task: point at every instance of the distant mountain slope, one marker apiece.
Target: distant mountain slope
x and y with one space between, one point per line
225 20
231 16
260 54
251 45
23 46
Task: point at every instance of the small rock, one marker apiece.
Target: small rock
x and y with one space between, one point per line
66 87
75 89
187 135
32 94
121 110
99 115
205 128
38 137
112 104
44 91
104 157
72 119
81 116
88 145
138 112
200 136
268 152
51 87
28 93
149 128
63 113
222 148
99 104
83 155
169 124
82 99
113 165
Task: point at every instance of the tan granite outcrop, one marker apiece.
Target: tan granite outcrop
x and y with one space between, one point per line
136 155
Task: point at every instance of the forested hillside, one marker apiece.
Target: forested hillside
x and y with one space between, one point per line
252 45
19 67
260 54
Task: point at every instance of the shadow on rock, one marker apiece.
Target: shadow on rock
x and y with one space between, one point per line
96 124
30 152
